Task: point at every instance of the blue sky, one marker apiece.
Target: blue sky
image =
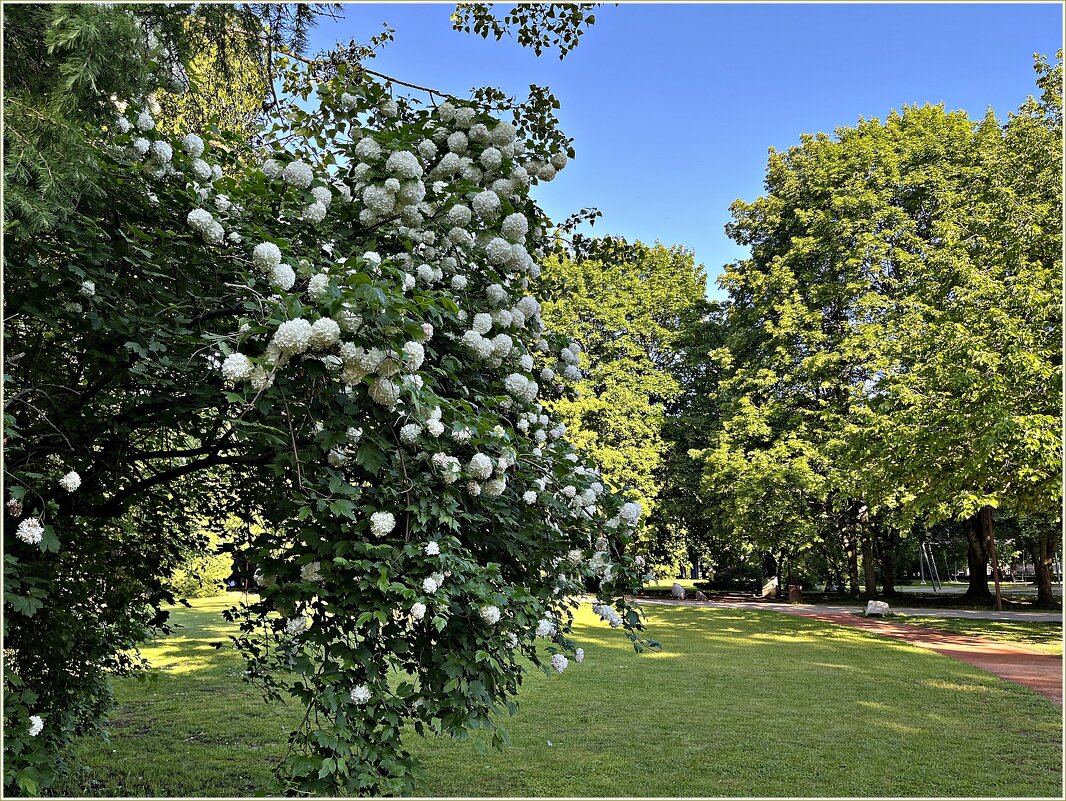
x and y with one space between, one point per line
673 106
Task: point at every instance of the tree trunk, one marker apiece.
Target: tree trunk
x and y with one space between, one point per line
1044 552
888 564
976 559
853 563
868 564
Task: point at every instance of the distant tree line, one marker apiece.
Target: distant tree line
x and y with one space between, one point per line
887 367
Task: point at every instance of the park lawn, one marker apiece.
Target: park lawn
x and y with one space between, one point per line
1045 637
666 584
738 703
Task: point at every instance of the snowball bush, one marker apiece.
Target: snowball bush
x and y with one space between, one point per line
361 340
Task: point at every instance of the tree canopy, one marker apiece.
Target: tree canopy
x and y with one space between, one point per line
323 331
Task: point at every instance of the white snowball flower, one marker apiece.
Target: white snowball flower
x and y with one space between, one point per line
446 111
482 322
491 158
30 531
459 283
193 145
381 523
609 614
418 610
70 482
502 134
314 212
201 170
36 725
325 333
490 614
272 168
162 151
367 149
404 165
480 466
459 215
298 173
296 625
530 497
559 662
429 586
87 288
579 655
283 277
464 117
293 336
457 142
425 274
427 149
266 256
502 318
347 101
545 628
631 512
514 227
322 194
486 204
432 548
318 287
495 487
498 251
145 121
409 433
360 694
545 172
141 145
496 294
214 234
237 367
415 355
481 347
434 427
520 388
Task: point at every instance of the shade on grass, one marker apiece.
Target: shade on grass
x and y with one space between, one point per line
739 703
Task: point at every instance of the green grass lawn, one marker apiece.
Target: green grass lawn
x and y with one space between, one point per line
1039 635
739 703
666 584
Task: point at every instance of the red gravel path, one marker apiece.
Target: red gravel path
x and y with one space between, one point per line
1025 666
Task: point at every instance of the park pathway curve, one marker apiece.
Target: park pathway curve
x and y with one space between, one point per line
1014 662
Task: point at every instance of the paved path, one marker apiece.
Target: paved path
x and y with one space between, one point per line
854 609
1017 663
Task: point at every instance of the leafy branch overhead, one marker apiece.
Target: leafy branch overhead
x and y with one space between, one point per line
540 26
